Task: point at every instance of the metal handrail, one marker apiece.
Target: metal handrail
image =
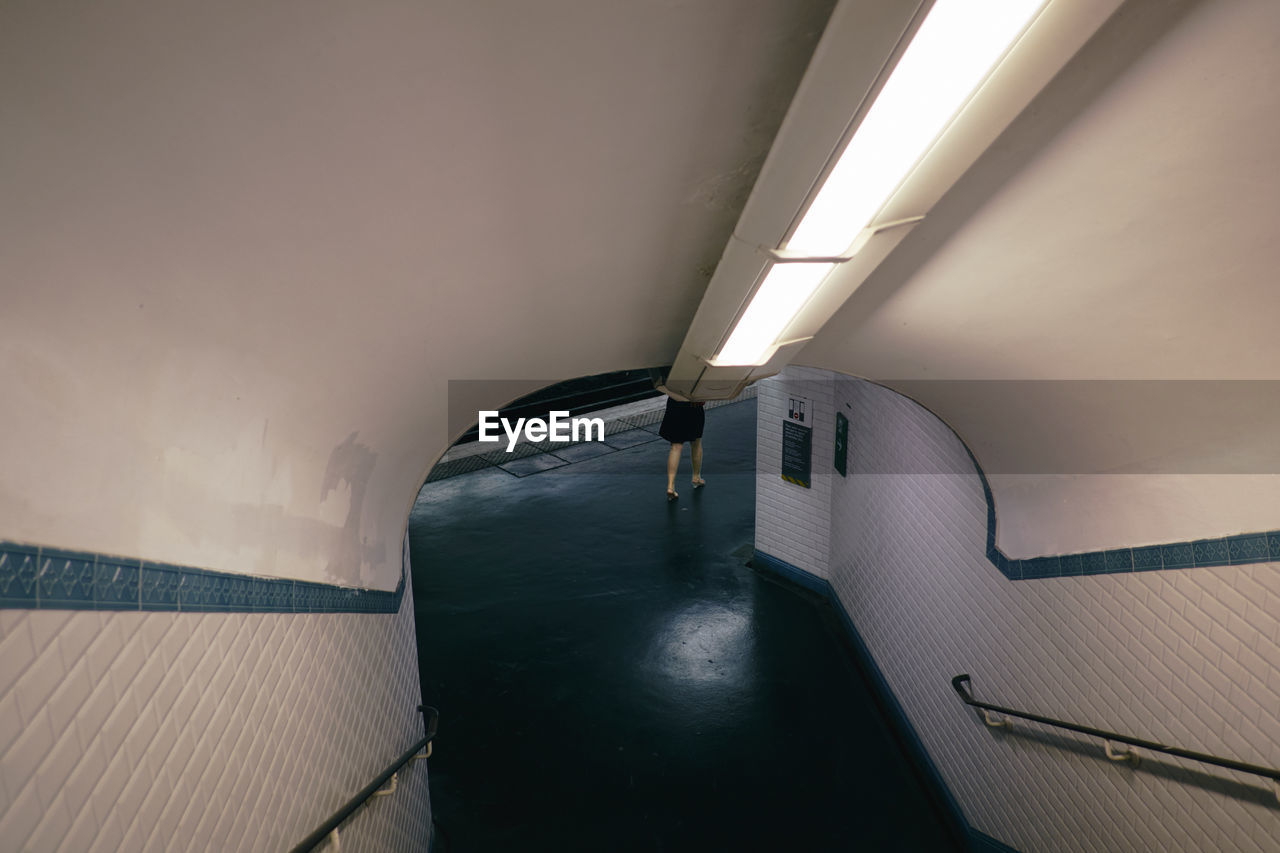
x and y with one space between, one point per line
431 720
1131 755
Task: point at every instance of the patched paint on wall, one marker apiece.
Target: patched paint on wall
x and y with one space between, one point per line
347 475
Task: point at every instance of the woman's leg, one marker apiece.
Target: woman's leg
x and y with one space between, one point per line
695 450
673 462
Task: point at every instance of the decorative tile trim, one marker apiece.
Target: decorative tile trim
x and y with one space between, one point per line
36 578
888 702
1224 551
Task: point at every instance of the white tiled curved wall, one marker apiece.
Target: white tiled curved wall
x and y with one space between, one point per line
220 732
1189 657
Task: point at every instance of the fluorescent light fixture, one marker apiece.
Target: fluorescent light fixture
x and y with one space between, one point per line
781 296
956 47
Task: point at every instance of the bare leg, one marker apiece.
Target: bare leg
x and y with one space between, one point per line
695 450
673 462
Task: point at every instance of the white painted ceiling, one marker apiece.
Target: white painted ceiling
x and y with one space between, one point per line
1124 227
244 247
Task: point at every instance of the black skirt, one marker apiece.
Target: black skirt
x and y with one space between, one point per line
682 421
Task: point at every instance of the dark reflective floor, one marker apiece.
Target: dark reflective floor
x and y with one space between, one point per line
611 676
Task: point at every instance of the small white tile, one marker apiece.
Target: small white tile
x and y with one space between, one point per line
151 806
10 722
11 620
167 693
82 833
125 666
19 821
139 737
147 679
52 828
57 765
84 776
18 652
38 682
154 631
18 765
103 797
112 838
69 697
103 650
77 635
46 625
158 748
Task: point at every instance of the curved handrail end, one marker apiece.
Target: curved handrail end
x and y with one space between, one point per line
430 720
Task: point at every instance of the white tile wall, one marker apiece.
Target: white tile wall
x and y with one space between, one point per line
1189 657
794 523
221 732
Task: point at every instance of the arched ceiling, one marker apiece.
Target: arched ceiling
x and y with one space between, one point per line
245 246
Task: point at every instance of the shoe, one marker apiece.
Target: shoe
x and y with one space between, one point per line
672 494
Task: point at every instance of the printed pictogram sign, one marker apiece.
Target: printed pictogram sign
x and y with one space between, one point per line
797 442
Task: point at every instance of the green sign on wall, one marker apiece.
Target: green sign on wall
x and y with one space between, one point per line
842 442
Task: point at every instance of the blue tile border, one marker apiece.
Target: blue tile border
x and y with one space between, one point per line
1210 552
159 587
1225 550
1249 548
66 577
37 578
1146 559
1200 553
800 577
116 584
1117 560
976 841
18 576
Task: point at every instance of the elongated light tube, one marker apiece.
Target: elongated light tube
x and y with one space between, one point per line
952 53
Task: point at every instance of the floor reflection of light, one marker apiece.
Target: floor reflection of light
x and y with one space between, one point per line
704 645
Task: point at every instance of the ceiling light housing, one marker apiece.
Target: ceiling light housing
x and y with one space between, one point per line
867 148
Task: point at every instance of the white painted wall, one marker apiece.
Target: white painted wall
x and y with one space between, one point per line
1067 514
219 732
1187 657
